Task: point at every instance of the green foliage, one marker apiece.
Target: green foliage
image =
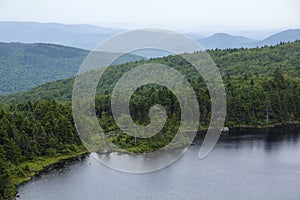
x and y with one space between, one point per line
7 187
29 130
24 66
50 152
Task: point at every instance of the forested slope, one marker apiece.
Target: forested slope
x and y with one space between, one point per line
24 66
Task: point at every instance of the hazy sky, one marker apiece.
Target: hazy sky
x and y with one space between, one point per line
184 15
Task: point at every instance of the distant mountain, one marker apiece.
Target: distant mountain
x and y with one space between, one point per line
285 36
24 66
80 36
224 41
89 36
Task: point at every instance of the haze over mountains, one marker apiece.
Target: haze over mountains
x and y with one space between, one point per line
224 41
81 35
89 36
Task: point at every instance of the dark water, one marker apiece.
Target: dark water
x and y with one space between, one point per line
256 164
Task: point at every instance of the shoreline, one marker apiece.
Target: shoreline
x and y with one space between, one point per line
267 126
200 134
258 126
42 165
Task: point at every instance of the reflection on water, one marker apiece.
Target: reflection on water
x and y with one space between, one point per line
138 163
245 164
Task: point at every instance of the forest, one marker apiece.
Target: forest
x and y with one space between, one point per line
262 86
24 66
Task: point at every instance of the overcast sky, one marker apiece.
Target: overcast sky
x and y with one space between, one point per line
183 15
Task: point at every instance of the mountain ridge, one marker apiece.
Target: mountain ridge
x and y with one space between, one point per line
86 36
224 40
82 36
227 41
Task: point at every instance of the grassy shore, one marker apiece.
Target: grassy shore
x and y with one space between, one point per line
40 164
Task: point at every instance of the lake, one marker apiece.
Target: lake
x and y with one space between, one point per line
248 164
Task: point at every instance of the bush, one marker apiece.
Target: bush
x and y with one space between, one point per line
50 152
66 151
21 172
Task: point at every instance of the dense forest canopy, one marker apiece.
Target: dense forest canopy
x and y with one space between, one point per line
24 66
260 62
262 85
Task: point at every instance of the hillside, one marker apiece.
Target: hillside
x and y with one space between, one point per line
233 62
24 66
283 36
263 86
